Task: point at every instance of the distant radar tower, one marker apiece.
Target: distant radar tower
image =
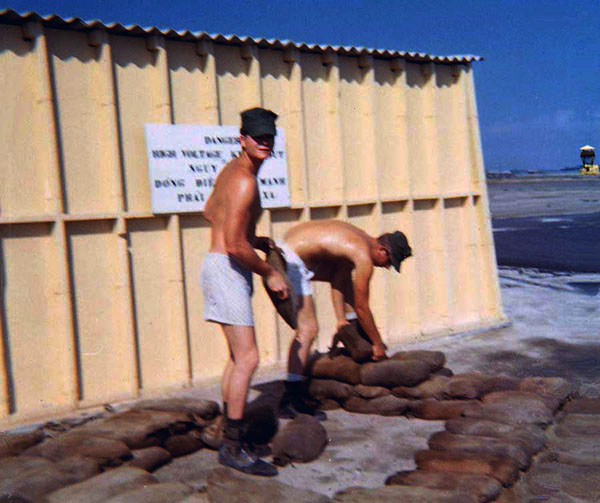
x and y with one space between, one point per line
587 154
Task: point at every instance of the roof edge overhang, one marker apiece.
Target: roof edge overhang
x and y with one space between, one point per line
9 16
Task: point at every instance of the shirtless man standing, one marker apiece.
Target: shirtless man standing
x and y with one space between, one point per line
233 209
331 251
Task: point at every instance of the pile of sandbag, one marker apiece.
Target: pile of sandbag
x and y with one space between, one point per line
484 451
107 456
409 382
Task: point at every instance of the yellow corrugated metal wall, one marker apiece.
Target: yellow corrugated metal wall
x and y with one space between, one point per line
100 298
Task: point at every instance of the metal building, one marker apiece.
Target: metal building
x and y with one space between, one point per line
100 298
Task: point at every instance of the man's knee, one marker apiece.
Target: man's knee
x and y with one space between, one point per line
248 360
307 331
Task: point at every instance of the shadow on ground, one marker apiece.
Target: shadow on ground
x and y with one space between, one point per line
548 358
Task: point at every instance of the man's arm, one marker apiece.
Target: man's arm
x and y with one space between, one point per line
364 271
341 289
238 216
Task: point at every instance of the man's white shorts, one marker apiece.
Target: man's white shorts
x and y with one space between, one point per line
227 290
297 271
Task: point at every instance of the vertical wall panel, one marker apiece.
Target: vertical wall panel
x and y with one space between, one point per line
462 277
27 135
321 119
106 349
193 83
490 292
163 348
421 124
430 265
282 93
41 354
451 131
391 138
143 97
401 290
238 77
86 122
358 130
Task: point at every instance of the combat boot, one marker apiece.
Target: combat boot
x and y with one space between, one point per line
232 452
297 401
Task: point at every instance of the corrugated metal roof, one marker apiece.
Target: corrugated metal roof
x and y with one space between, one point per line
9 16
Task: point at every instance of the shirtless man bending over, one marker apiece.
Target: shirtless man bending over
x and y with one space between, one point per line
331 251
233 209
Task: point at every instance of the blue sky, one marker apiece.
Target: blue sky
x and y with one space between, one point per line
538 90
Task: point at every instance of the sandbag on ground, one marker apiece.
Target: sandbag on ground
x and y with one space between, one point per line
13 444
228 486
340 368
355 342
435 359
434 387
34 483
301 440
580 451
140 428
548 480
150 458
403 494
519 398
106 451
182 445
472 386
102 487
583 406
387 405
438 409
391 373
328 388
370 391
548 386
532 413
574 425
329 404
484 488
205 409
531 436
445 372
13 465
504 469
446 441
166 492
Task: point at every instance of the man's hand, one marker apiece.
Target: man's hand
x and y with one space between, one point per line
264 243
341 323
277 284
378 352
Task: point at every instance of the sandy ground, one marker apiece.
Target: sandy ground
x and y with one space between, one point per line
554 331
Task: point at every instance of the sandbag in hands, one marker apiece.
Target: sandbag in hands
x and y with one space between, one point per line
286 308
354 340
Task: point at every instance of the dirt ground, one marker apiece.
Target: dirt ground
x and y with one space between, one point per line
554 331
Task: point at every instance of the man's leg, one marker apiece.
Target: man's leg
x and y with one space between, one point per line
305 335
295 398
235 383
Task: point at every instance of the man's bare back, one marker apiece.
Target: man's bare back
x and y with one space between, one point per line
328 245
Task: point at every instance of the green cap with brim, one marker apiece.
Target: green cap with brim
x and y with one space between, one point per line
258 122
400 249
